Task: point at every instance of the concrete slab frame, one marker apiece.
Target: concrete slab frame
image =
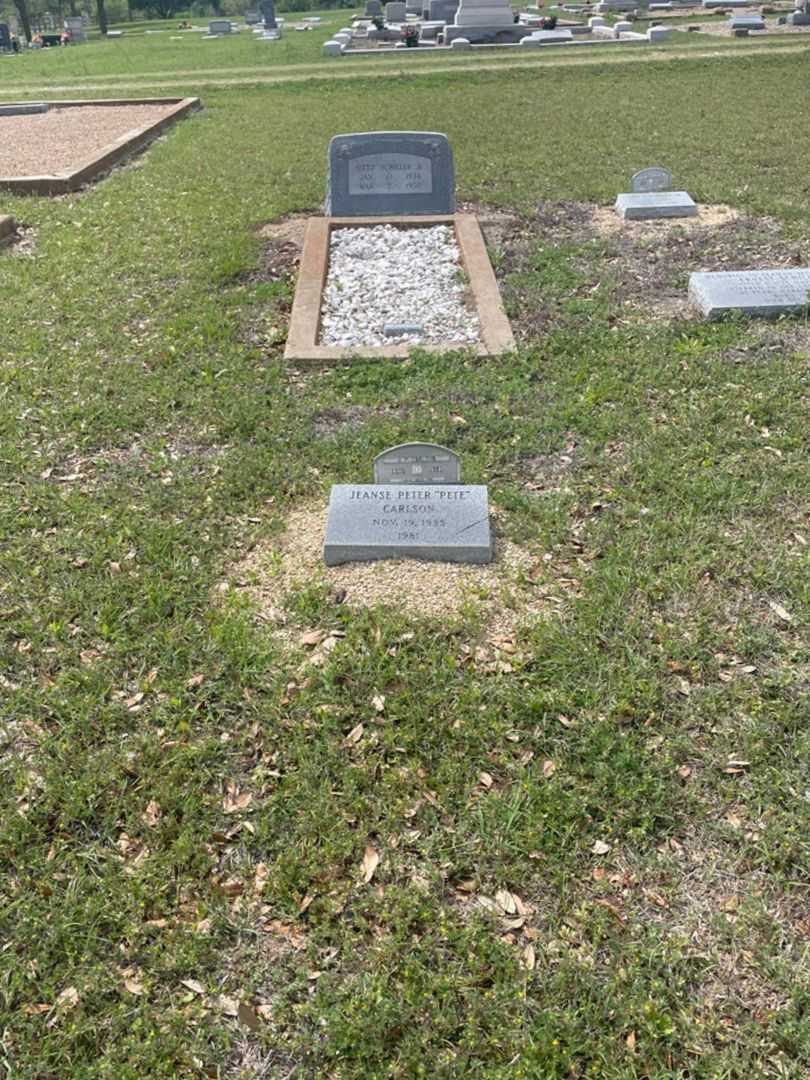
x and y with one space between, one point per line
305 321
110 155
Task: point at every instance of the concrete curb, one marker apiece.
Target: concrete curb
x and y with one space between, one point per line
302 338
62 183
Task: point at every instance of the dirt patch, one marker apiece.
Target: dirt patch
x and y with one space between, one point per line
20 242
332 422
281 251
570 261
607 222
543 474
498 226
510 590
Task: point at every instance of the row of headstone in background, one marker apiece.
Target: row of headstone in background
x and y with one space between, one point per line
417 507
390 173
485 22
651 198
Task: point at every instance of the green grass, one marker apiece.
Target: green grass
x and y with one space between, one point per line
147 444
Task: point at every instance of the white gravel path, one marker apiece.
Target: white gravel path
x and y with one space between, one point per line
379 274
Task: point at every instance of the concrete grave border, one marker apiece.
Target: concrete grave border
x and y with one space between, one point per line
114 152
8 227
305 321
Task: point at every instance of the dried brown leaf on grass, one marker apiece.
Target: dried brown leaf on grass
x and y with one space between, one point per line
780 611
528 957
235 800
371 860
354 736
132 982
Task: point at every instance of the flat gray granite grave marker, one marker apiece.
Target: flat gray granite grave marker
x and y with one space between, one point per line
438 522
763 293
655 178
417 463
647 205
415 509
384 173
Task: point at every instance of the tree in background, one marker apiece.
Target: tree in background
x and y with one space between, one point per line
164 9
101 15
25 18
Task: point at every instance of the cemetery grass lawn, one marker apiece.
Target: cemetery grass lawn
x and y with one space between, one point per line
580 850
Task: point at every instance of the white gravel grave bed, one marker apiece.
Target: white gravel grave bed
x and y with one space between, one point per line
381 275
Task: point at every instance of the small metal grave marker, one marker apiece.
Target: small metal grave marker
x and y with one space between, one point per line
655 178
417 463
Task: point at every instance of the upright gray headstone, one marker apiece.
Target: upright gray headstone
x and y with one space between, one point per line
442 522
373 9
395 12
384 173
655 178
442 10
417 463
763 293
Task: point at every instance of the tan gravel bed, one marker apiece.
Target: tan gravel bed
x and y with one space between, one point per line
508 592
62 139
722 27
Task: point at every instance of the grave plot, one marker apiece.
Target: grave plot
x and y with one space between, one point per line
633 271
395 267
54 148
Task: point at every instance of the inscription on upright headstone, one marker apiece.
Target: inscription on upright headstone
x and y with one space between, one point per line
655 178
417 463
382 173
